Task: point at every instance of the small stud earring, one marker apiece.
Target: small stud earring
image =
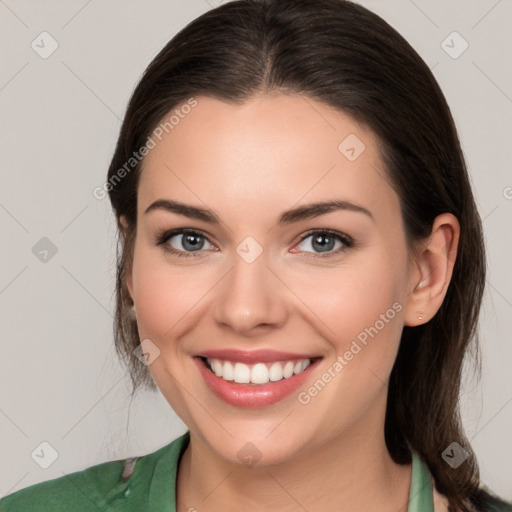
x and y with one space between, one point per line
420 317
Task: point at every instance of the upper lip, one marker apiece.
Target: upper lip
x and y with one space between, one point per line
253 356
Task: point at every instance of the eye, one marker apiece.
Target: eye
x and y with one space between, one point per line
191 243
183 242
325 243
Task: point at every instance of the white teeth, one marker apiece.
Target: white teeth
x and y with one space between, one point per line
242 373
288 370
259 373
275 372
301 366
226 371
217 367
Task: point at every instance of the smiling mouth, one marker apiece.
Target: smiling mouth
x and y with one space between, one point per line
259 373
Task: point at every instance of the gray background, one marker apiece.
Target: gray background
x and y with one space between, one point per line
60 381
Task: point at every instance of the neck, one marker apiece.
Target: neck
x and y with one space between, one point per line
352 471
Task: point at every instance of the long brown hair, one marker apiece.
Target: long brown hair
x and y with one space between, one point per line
339 53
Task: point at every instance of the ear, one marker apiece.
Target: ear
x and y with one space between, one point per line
123 227
431 270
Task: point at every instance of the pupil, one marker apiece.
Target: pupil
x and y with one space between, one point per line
193 242
323 246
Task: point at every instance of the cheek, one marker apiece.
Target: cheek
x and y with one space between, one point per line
162 296
374 321
348 301
359 308
364 315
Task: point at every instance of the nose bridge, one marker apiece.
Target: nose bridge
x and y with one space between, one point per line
250 295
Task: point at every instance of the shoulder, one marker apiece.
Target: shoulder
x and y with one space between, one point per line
105 486
80 490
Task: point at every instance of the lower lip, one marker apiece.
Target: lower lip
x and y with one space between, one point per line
252 395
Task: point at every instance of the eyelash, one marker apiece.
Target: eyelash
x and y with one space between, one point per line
164 236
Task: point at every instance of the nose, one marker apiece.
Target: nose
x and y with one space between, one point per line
251 299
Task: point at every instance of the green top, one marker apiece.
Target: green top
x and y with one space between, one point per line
144 484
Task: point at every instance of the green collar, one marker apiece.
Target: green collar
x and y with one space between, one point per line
421 492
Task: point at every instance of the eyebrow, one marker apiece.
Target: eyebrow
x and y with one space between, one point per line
307 211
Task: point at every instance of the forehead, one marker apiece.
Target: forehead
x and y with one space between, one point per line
272 149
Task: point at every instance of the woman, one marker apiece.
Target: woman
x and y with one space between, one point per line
300 272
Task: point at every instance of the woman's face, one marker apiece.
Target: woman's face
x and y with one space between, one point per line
257 277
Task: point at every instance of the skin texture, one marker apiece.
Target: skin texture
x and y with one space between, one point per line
247 164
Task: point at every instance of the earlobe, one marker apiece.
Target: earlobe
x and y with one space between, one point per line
123 225
432 269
